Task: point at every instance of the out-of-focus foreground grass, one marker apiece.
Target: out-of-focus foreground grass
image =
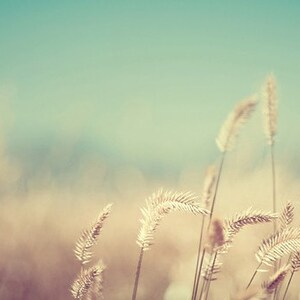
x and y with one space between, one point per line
41 218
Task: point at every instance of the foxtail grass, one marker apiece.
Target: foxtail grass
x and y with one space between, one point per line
157 207
89 281
225 142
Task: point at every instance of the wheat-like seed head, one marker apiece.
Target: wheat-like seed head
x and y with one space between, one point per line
89 237
274 281
211 270
233 123
209 182
216 236
278 244
88 280
295 261
270 108
287 215
96 290
247 217
159 205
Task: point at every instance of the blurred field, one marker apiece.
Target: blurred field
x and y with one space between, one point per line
108 101
39 225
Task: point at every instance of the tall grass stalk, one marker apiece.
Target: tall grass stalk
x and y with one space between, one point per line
295 266
225 142
270 111
210 275
204 282
208 187
288 285
137 275
273 186
215 241
196 275
209 223
276 264
254 274
157 207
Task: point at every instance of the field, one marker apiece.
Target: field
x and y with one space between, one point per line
41 219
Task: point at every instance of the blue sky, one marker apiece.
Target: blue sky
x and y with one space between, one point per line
146 83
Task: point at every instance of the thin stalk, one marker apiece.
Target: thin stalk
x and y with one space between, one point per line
199 275
274 185
210 275
276 292
203 291
198 258
276 266
210 218
204 283
288 284
137 275
216 189
279 288
254 274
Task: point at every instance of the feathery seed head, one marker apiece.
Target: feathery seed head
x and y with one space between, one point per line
231 127
86 280
209 182
211 270
247 217
274 281
158 206
295 261
270 108
216 235
278 244
287 215
89 237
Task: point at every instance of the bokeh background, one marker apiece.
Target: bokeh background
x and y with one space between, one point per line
106 101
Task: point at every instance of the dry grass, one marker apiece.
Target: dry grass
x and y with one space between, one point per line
231 127
159 205
31 265
281 243
270 108
274 281
89 237
40 225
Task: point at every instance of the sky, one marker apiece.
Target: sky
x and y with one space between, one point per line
142 83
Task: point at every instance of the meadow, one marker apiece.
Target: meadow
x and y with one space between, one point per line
242 201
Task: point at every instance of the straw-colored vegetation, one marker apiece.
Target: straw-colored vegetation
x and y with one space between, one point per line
88 284
278 254
235 236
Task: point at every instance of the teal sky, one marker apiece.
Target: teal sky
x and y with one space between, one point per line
146 83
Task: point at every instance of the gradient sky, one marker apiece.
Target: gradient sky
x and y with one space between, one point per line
146 83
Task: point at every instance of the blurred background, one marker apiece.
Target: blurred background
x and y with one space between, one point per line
106 101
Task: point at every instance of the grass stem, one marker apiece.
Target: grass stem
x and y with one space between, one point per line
254 274
288 285
137 275
196 276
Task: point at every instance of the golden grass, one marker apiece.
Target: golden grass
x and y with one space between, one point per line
40 225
